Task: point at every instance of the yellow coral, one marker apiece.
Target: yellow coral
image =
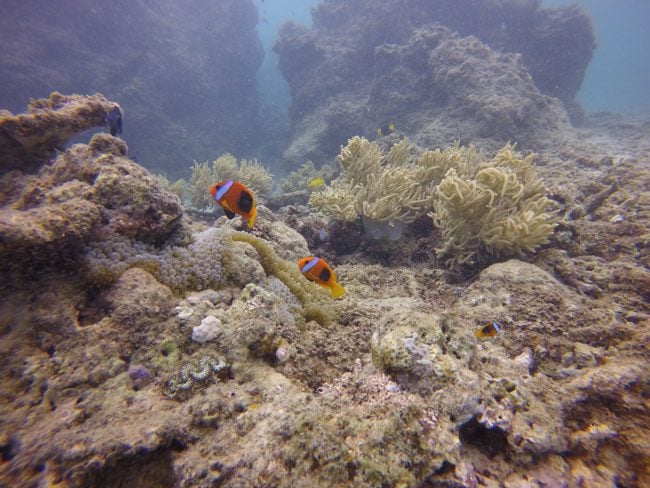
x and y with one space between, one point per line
498 206
299 180
339 201
224 168
177 187
385 190
200 182
256 177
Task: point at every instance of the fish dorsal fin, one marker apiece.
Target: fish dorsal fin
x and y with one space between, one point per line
221 192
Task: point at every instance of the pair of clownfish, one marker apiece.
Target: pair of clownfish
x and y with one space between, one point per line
235 198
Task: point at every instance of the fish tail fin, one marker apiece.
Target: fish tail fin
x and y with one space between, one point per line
479 334
337 290
251 221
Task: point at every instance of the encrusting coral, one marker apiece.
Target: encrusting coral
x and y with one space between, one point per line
249 172
29 139
88 192
182 267
501 210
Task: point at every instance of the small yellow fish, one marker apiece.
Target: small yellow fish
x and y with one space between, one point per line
317 182
385 130
489 330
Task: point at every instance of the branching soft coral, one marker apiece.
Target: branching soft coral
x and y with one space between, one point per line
382 189
498 206
501 210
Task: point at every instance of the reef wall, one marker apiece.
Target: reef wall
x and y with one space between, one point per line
184 74
482 72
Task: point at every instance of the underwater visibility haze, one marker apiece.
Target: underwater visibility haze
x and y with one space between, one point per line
281 243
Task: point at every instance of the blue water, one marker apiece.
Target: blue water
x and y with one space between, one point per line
272 87
617 80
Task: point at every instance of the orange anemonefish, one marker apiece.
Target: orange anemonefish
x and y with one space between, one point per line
489 330
318 271
235 198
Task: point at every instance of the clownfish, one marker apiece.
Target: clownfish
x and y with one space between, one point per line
489 330
235 198
318 271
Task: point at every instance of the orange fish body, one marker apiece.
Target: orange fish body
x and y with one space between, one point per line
318 271
490 330
235 198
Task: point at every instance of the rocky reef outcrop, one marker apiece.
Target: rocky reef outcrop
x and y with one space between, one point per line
185 75
481 72
30 139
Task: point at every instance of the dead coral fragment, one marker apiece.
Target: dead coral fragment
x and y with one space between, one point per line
501 210
29 139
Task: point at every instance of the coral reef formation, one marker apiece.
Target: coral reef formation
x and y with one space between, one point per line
184 76
396 391
28 140
365 64
88 192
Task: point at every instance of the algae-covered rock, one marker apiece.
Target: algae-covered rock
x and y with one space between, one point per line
411 346
88 192
28 140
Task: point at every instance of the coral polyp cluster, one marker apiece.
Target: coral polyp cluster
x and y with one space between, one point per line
194 266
